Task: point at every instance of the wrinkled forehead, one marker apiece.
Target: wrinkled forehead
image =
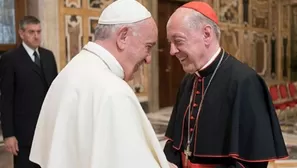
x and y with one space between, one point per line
175 30
178 22
31 26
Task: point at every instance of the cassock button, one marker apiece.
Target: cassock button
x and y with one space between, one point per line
197 92
191 129
199 80
192 118
195 105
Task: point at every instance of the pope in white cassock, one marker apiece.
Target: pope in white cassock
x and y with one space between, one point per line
90 117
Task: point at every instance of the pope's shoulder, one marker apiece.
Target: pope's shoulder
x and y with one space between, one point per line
87 74
118 86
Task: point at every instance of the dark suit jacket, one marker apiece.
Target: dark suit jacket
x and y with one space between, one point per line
23 86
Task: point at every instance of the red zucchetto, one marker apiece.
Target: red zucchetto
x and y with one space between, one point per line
203 8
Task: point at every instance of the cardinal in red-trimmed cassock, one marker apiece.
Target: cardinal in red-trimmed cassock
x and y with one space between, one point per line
223 116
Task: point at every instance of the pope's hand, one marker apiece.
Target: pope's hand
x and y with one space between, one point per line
171 165
11 145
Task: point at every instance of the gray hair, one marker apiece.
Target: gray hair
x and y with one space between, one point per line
197 19
104 31
28 20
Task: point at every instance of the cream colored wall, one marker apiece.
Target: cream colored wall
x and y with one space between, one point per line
49 18
153 68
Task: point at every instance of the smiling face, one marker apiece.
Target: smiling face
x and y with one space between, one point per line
188 42
141 44
137 44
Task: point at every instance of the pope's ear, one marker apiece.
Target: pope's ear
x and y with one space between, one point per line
122 37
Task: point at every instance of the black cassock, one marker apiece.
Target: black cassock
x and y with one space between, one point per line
237 125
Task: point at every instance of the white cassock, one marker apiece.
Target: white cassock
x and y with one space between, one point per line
91 118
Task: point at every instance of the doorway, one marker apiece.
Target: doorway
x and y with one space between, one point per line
170 70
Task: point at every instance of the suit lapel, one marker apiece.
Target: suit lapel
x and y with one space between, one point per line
27 60
44 64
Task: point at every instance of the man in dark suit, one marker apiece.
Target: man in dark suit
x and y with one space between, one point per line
26 74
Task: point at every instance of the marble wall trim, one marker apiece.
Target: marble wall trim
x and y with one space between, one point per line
49 23
153 68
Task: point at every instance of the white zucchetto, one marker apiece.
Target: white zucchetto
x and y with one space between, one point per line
124 12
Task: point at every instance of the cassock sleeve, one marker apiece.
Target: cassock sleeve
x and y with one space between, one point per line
123 134
7 95
173 155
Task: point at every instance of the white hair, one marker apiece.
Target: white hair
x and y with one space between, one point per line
197 19
104 31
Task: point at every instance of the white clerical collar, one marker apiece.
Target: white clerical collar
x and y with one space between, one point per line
107 57
210 60
30 51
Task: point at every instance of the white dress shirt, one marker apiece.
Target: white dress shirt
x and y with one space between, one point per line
30 51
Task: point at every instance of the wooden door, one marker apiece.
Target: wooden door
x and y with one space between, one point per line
170 70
